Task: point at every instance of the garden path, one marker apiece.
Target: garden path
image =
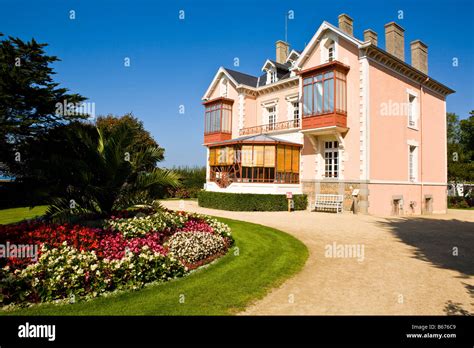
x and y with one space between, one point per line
408 266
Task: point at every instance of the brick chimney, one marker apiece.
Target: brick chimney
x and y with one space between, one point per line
370 35
281 51
395 40
346 24
419 56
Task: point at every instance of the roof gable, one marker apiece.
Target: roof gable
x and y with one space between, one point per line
316 38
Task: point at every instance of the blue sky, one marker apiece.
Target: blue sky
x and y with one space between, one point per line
173 61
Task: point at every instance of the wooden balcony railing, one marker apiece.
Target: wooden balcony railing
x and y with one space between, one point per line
271 127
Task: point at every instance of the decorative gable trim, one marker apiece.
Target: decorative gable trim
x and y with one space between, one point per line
216 80
317 38
268 65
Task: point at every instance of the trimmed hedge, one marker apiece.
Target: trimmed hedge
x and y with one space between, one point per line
249 201
460 202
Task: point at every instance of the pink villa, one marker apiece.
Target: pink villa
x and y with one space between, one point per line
343 117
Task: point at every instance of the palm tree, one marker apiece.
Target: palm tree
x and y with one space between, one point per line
109 174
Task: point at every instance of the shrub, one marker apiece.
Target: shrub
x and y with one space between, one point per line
192 247
249 201
458 202
192 180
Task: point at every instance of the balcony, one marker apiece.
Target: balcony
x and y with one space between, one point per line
325 96
271 127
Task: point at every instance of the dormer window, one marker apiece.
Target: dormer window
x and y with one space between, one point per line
271 76
292 59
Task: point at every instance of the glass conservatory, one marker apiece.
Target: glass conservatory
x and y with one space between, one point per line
255 159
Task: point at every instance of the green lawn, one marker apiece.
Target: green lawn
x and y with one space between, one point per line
266 257
8 216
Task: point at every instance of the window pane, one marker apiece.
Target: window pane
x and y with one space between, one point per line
295 160
344 107
288 159
338 95
212 157
308 100
269 156
328 75
230 155
326 96
331 95
247 156
258 155
280 158
213 121
226 126
319 97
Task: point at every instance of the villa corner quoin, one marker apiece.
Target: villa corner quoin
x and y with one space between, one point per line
342 116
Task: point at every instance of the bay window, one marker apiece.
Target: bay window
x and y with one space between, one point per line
324 93
218 117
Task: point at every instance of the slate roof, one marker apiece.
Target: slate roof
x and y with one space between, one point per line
283 72
242 78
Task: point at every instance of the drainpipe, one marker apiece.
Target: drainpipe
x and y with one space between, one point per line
421 142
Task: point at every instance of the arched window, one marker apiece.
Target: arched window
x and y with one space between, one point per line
223 87
331 51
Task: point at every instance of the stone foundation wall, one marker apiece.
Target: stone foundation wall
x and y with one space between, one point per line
356 204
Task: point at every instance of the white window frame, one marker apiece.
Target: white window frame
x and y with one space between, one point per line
271 76
413 161
265 105
331 52
412 109
224 87
296 113
330 40
333 151
291 101
271 125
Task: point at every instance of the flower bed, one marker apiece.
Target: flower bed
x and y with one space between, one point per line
77 262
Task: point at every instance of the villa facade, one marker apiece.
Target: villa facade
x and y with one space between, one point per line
343 116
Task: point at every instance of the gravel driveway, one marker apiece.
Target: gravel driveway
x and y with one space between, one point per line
362 264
